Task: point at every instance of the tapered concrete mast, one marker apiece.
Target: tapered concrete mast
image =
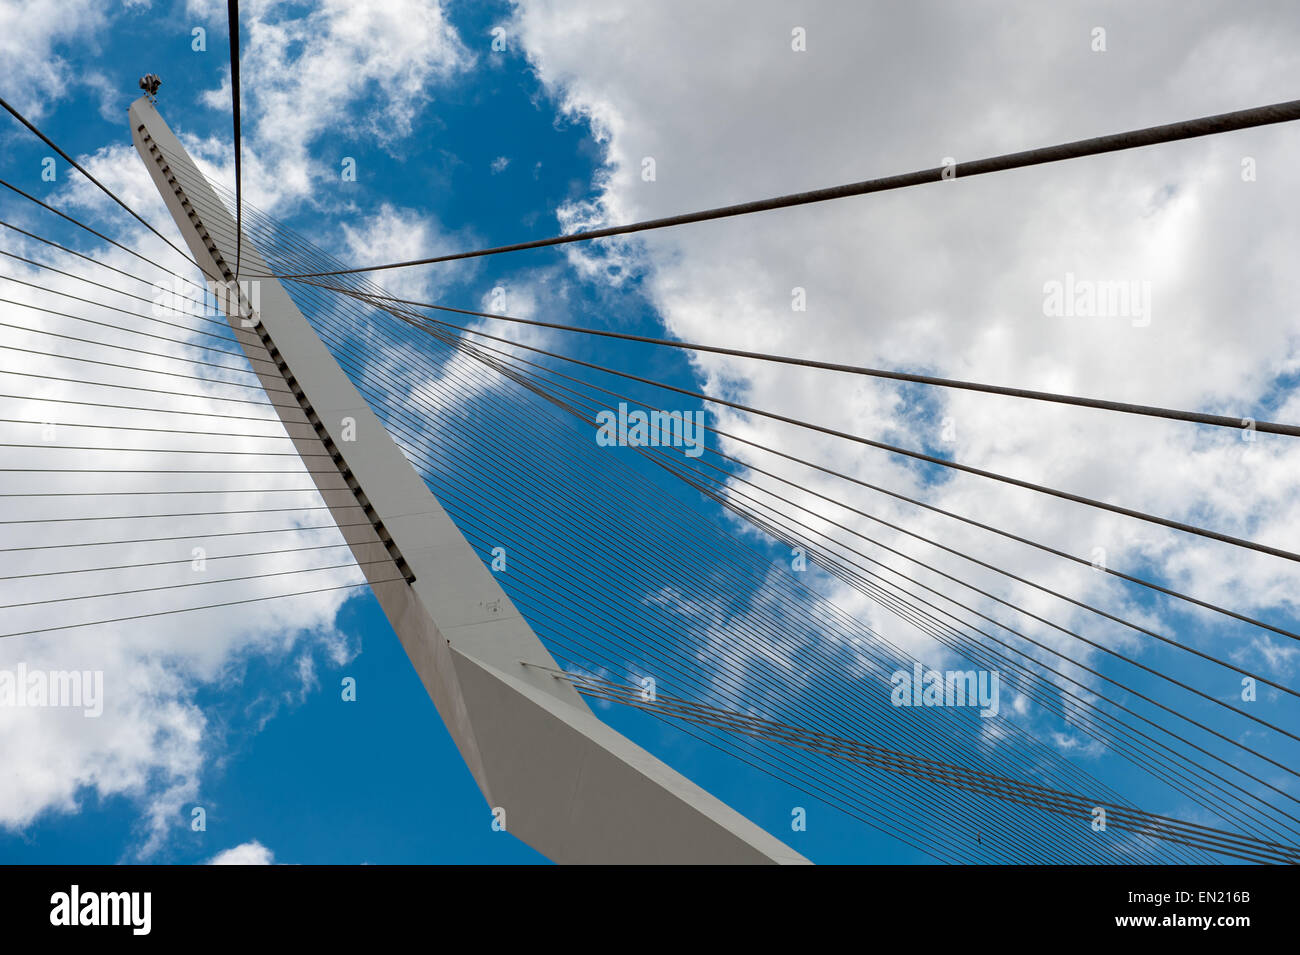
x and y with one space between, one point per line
570 786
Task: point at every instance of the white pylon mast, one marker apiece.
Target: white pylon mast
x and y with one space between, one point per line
570 786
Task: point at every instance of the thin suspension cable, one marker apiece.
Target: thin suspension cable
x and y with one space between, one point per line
124 427
154 517
1148 136
1175 734
224 490
103 188
1127 577
1195 417
166 563
94 261
1132 662
179 394
188 537
108 288
299 243
841 526
135 331
907 452
129 331
63 215
1200 725
350 565
391 299
802 487
730 505
53 446
145 371
162 613
1214 840
939 769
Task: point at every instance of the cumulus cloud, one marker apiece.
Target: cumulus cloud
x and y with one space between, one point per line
304 73
950 278
249 853
154 745
152 742
30 32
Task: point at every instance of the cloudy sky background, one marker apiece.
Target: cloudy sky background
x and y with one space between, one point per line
946 279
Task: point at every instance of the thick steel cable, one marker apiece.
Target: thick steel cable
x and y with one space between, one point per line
788 501
1180 684
232 18
907 452
1147 136
1148 721
1195 417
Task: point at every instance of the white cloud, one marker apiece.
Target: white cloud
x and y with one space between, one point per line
30 33
949 278
250 853
304 78
154 744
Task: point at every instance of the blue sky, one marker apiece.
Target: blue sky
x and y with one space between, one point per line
286 763
324 781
